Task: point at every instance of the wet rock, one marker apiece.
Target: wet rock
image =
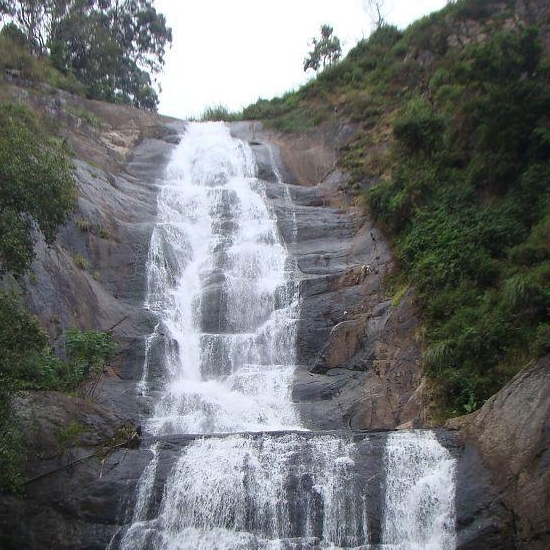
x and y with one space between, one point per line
94 276
343 343
511 433
80 470
358 348
213 309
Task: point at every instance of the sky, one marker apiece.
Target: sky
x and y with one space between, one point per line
233 52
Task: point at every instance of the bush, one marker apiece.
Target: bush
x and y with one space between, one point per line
15 54
87 353
37 189
28 363
468 208
418 129
218 113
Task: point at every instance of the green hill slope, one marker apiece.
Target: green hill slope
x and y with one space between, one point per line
452 158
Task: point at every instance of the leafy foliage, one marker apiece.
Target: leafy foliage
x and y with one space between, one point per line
218 113
87 353
37 190
16 58
28 363
111 46
326 50
466 206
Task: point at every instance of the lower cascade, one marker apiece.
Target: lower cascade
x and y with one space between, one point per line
217 382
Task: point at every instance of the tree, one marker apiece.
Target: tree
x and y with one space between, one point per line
326 50
375 8
6 8
112 46
35 18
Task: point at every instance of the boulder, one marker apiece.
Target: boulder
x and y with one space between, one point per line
511 433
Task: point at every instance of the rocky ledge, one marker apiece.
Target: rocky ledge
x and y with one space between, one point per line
358 363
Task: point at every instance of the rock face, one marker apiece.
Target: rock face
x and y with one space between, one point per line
511 435
81 471
359 365
93 277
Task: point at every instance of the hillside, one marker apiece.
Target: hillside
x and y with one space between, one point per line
69 292
450 156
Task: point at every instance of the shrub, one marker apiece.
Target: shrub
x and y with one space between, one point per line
28 363
468 209
87 353
37 189
81 262
418 129
218 113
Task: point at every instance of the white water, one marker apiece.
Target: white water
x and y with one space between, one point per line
223 289
248 492
419 510
218 282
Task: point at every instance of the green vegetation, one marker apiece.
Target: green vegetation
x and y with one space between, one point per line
37 195
326 50
37 190
451 157
81 262
217 113
69 434
108 49
15 58
87 354
27 362
85 115
467 205
83 224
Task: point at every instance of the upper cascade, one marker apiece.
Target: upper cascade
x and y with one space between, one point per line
220 286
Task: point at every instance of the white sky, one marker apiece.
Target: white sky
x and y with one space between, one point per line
232 52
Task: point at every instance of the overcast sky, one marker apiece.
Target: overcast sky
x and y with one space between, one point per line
232 52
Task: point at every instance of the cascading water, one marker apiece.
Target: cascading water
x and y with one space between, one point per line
218 284
224 291
419 511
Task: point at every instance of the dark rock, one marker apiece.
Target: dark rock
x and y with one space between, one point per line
363 362
482 521
78 479
109 240
511 432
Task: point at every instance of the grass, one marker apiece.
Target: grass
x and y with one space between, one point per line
83 224
15 59
85 115
81 262
69 434
218 113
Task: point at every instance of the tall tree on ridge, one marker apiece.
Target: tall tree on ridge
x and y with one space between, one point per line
326 50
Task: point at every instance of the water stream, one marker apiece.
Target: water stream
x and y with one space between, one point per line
221 360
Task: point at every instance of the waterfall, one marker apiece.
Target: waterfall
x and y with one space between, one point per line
219 365
217 280
419 493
